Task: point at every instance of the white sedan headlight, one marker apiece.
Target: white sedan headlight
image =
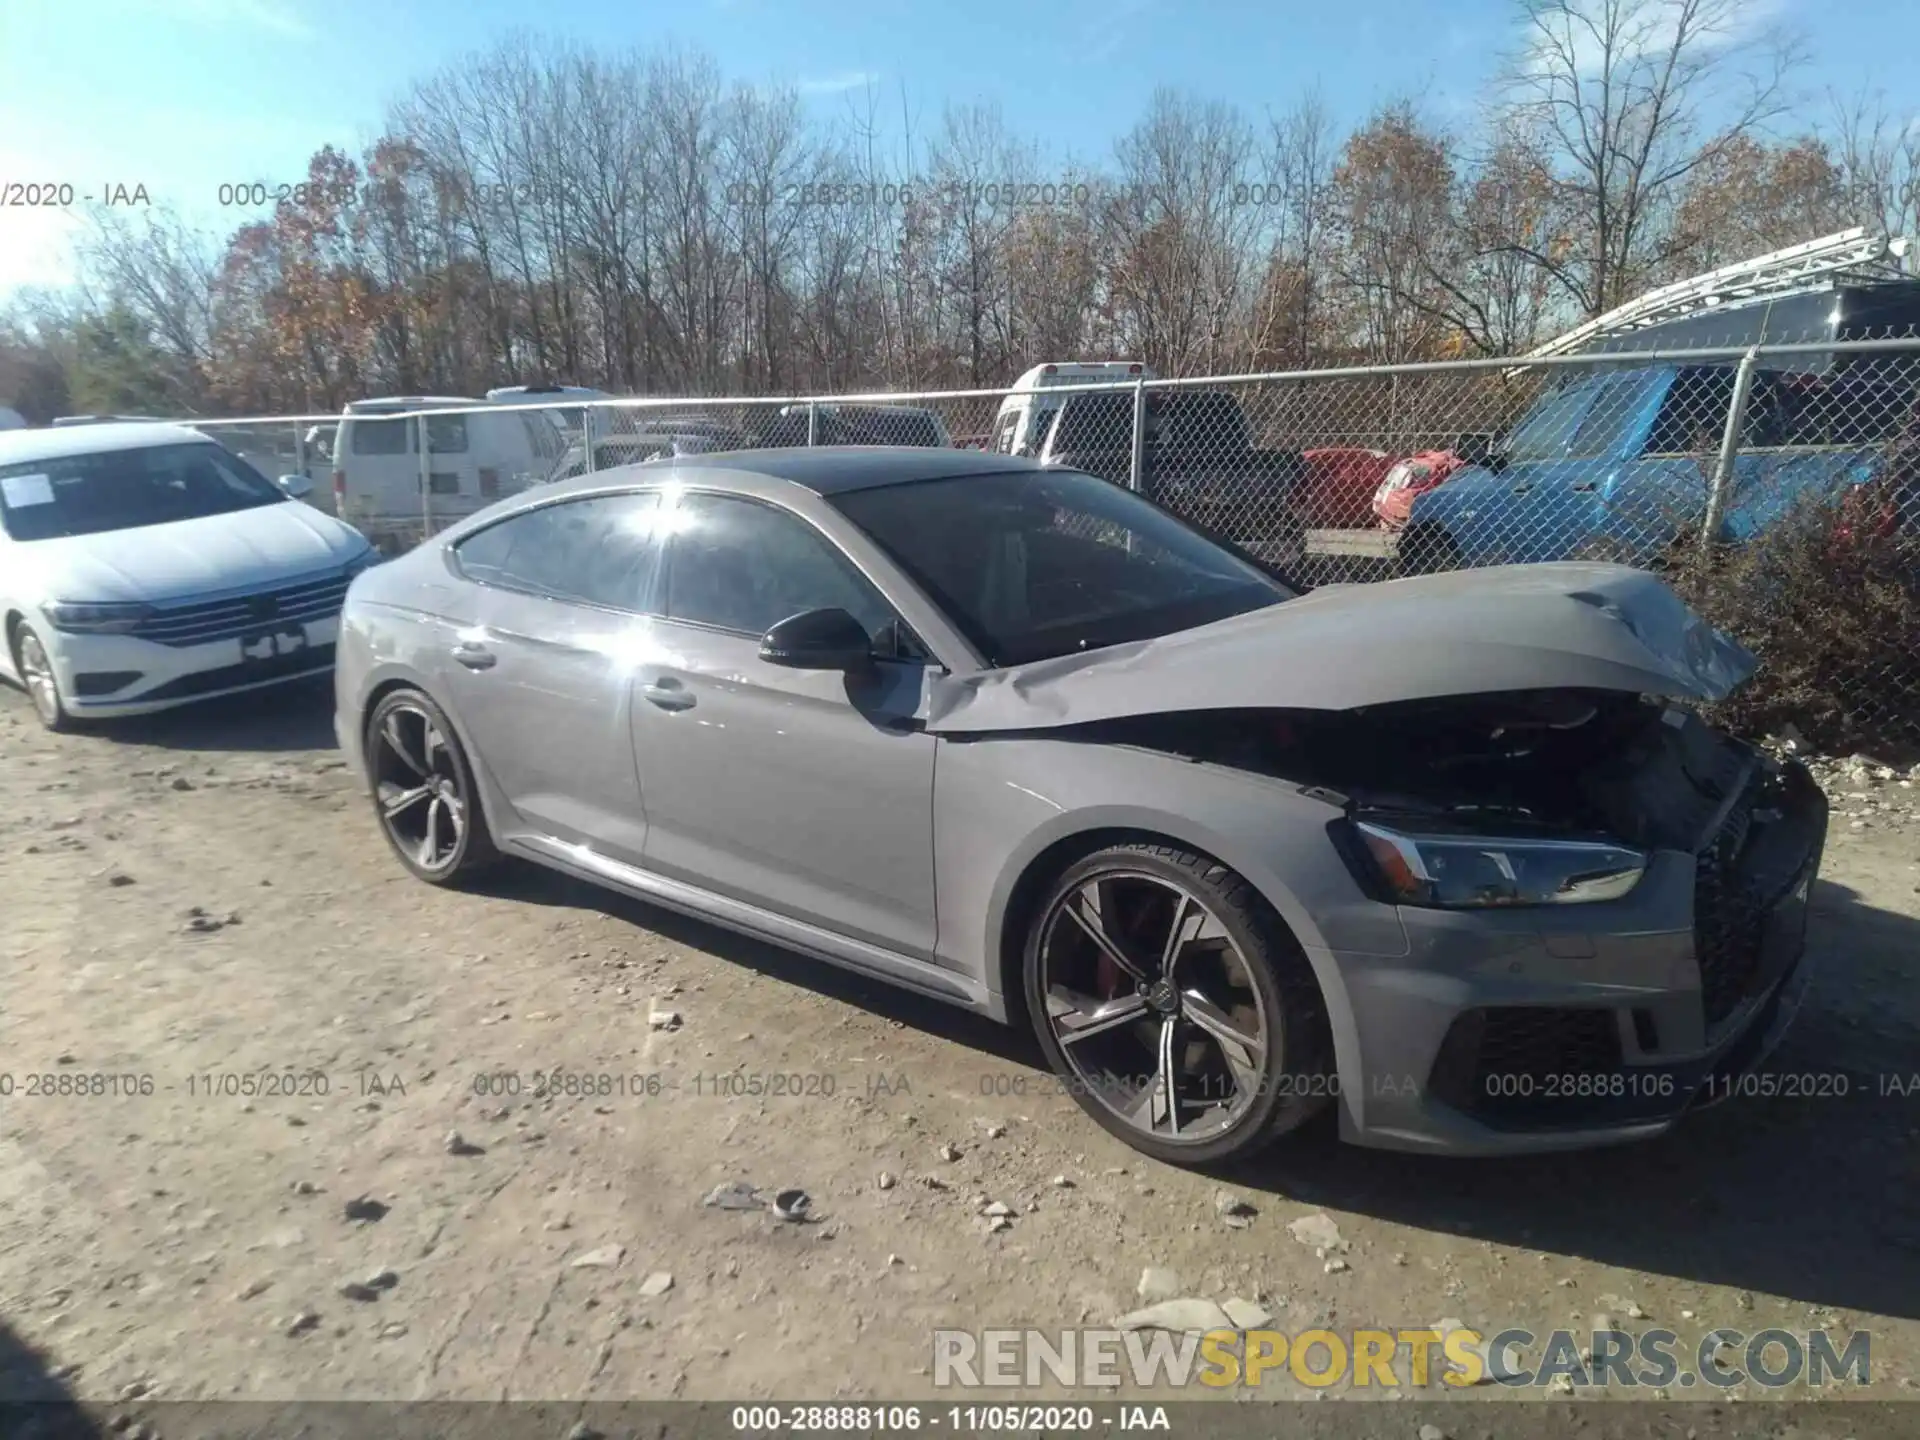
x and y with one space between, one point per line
83 617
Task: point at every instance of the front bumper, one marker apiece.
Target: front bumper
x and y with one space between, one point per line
118 675
1518 1031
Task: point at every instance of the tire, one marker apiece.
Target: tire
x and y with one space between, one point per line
1236 965
1427 550
35 669
424 791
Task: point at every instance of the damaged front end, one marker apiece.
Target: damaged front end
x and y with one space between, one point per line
1550 807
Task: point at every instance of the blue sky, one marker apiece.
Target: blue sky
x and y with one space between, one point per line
182 95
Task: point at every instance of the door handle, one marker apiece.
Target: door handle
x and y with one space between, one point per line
668 695
474 657
1523 489
1584 486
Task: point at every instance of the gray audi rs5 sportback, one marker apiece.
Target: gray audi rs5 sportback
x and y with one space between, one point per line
1453 853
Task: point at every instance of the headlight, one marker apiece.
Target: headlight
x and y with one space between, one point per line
84 618
1450 870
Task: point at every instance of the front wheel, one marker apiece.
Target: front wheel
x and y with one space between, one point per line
1427 550
35 669
1173 1001
423 791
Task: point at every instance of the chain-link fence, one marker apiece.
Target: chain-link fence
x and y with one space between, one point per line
1777 487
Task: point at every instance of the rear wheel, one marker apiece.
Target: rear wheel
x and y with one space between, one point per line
35 669
1175 1004
423 791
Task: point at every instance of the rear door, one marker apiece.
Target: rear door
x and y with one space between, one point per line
1825 439
1006 430
804 792
542 682
375 458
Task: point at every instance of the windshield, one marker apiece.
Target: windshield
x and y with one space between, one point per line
1101 421
1589 419
1029 566
127 489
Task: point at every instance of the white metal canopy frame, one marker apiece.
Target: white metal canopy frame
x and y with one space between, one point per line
1854 255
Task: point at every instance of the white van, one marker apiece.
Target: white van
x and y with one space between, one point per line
473 458
1020 428
568 420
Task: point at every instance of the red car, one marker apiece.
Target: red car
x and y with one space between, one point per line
1336 486
1408 479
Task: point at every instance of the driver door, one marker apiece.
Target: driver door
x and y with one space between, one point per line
805 792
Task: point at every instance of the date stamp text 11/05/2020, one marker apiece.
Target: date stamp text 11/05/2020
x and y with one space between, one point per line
295 1082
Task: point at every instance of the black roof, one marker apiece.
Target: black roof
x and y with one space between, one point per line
836 469
1833 312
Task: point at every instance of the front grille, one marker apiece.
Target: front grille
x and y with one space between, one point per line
1728 919
1514 1062
301 603
1744 911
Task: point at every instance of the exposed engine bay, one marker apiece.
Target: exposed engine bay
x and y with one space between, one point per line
1599 761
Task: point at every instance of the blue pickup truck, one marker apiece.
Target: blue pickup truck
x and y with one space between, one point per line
1619 462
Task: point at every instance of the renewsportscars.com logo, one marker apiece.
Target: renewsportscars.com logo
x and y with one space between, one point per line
1393 1359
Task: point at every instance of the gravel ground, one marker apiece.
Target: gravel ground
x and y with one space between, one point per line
203 897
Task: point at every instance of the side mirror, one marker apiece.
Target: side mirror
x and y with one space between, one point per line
1475 447
296 487
818 640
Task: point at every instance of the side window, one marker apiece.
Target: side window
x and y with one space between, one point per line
380 437
1693 418
447 434
601 551
1850 410
545 438
740 565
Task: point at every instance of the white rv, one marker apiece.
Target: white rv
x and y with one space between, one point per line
1021 426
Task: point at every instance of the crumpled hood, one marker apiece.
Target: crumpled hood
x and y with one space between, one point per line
1520 627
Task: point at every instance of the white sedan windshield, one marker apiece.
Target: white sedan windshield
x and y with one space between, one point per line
127 489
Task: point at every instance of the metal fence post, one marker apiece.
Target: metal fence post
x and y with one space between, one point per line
1722 481
426 478
1137 463
300 449
813 424
587 412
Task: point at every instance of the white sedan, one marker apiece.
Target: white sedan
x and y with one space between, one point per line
143 566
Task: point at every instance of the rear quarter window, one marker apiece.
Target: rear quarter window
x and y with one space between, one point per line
600 551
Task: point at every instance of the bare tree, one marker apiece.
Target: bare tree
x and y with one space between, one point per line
1182 265
1879 158
162 271
1393 191
1630 97
1754 197
1295 196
